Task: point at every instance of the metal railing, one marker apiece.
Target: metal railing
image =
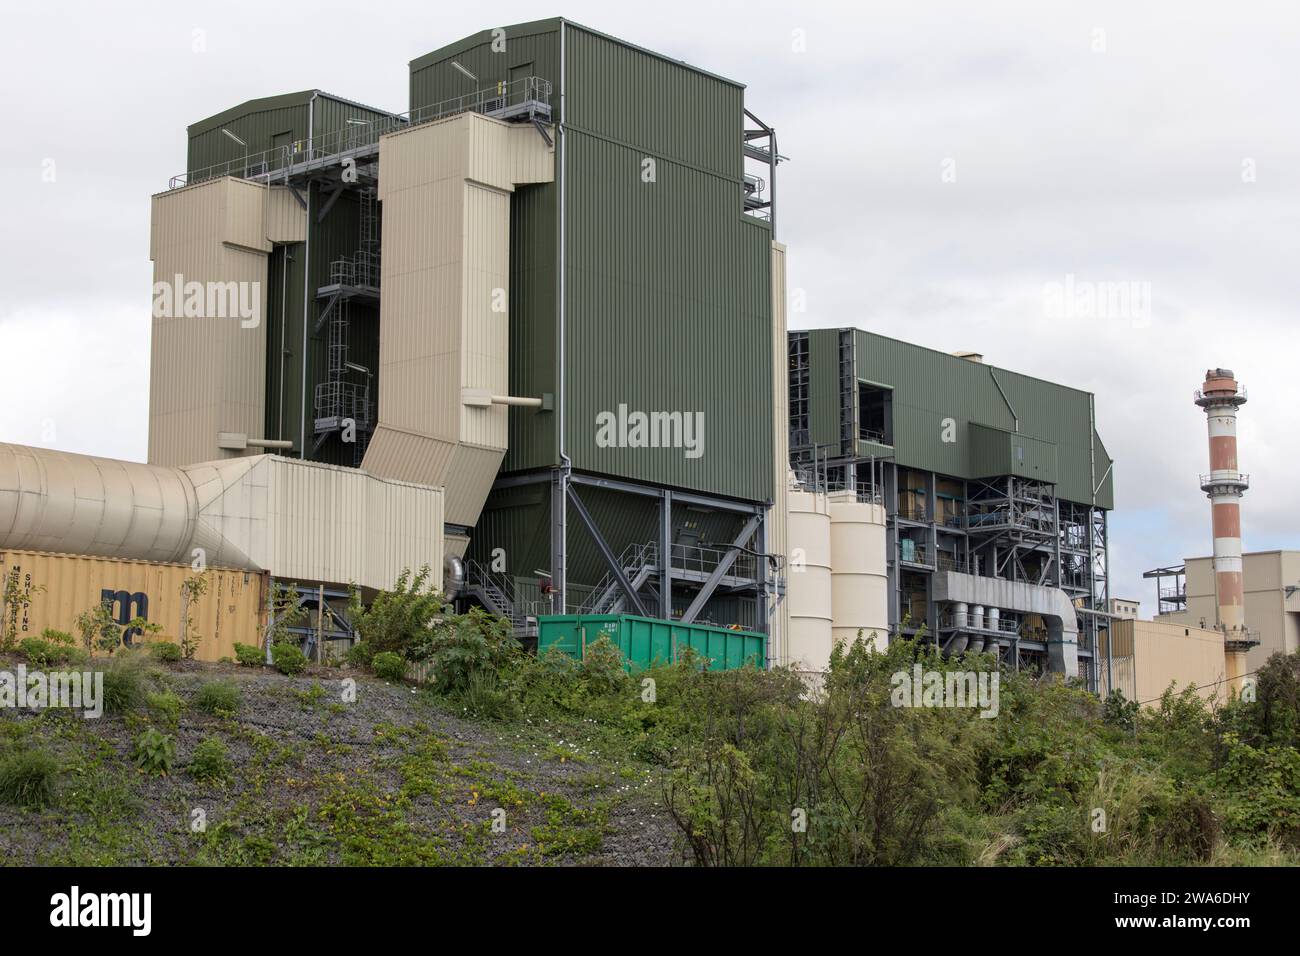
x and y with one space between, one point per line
528 97
361 269
946 562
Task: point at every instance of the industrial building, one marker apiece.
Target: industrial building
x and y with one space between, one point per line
995 488
531 331
508 300
1186 594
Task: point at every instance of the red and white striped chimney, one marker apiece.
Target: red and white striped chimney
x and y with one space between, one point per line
1221 397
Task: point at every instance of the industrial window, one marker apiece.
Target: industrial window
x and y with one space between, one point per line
875 414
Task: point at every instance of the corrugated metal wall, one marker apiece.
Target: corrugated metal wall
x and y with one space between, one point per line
668 283
530 49
207 374
446 188
260 123
930 386
59 587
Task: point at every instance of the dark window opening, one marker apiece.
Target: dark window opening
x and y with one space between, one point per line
875 414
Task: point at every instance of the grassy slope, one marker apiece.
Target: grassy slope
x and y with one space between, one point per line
393 778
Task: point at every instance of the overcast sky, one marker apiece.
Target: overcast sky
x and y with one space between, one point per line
949 162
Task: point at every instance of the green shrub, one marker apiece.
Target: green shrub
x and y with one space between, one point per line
165 651
361 654
39 653
602 669
126 682
288 659
51 636
27 778
154 751
210 760
248 655
44 653
219 697
484 697
401 619
165 706
389 666
464 644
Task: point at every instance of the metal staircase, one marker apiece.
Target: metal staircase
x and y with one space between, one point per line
639 562
340 400
496 592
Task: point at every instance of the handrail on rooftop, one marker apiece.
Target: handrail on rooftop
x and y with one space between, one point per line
528 96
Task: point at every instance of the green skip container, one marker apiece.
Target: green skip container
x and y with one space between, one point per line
647 641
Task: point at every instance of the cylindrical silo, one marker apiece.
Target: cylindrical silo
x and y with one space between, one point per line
991 618
859 579
808 581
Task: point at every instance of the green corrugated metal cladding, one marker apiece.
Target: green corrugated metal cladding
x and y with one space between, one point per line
1003 422
667 283
647 642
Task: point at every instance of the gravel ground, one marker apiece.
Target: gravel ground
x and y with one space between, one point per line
319 780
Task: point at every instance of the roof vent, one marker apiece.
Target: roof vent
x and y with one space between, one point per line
970 356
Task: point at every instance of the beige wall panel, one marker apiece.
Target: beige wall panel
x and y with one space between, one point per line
1166 652
245 211
207 374
446 242
284 219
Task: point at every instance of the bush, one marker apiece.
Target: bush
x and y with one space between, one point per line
485 698
165 707
154 751
248 655
462 645
361 654
288 659
389 666
126 682
210 760
165 651
603 667
39 653
400 619
27 778
218 697
51 636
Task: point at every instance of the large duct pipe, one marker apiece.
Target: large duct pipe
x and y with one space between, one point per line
1220 397
79 504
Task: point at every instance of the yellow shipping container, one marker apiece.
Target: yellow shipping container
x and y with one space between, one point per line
56 588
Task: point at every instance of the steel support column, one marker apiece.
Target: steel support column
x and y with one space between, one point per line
719 572
606 552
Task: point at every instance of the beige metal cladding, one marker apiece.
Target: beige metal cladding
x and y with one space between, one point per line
1166 654
298 520
808 582
777 515
306 521
859 581
209 245
444 320
56 588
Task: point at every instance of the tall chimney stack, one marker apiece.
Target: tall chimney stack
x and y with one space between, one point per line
1220 396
